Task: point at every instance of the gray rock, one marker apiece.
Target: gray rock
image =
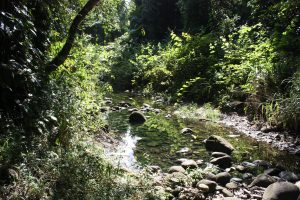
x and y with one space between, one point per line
203 188
176 169
189 164
222 162
137 118
281 191
262 181
218 154
247 177
262 163
211 176
187 131
240 168
248 165
199 162
223 178
231 185
236 180
181 160
289 176
227 193
184 150
231 198
298 184
217 143
211 184
133 109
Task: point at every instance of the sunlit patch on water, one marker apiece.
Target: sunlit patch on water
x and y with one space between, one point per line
124 156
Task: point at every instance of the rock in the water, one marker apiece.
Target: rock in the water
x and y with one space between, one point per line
217 143
223 178
187 131
137 118
218 154
223 162
281 191
262 181
176 169
211 184
289 176
189 164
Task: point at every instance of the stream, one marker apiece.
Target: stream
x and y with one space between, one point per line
159 140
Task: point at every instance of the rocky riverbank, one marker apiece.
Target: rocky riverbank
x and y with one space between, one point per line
282 140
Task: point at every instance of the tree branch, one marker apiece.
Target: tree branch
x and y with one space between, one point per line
64 52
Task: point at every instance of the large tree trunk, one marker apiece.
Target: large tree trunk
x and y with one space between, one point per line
64 52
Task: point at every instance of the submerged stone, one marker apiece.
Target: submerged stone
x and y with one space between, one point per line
217 143
137 118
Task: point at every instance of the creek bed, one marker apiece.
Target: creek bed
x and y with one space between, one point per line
159 140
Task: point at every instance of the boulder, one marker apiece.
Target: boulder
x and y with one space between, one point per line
176 169
222 162
262 180
217 143
281 191
137 118
189 164
289 176
223 178
211 184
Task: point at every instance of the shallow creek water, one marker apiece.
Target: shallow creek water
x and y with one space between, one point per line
159 142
